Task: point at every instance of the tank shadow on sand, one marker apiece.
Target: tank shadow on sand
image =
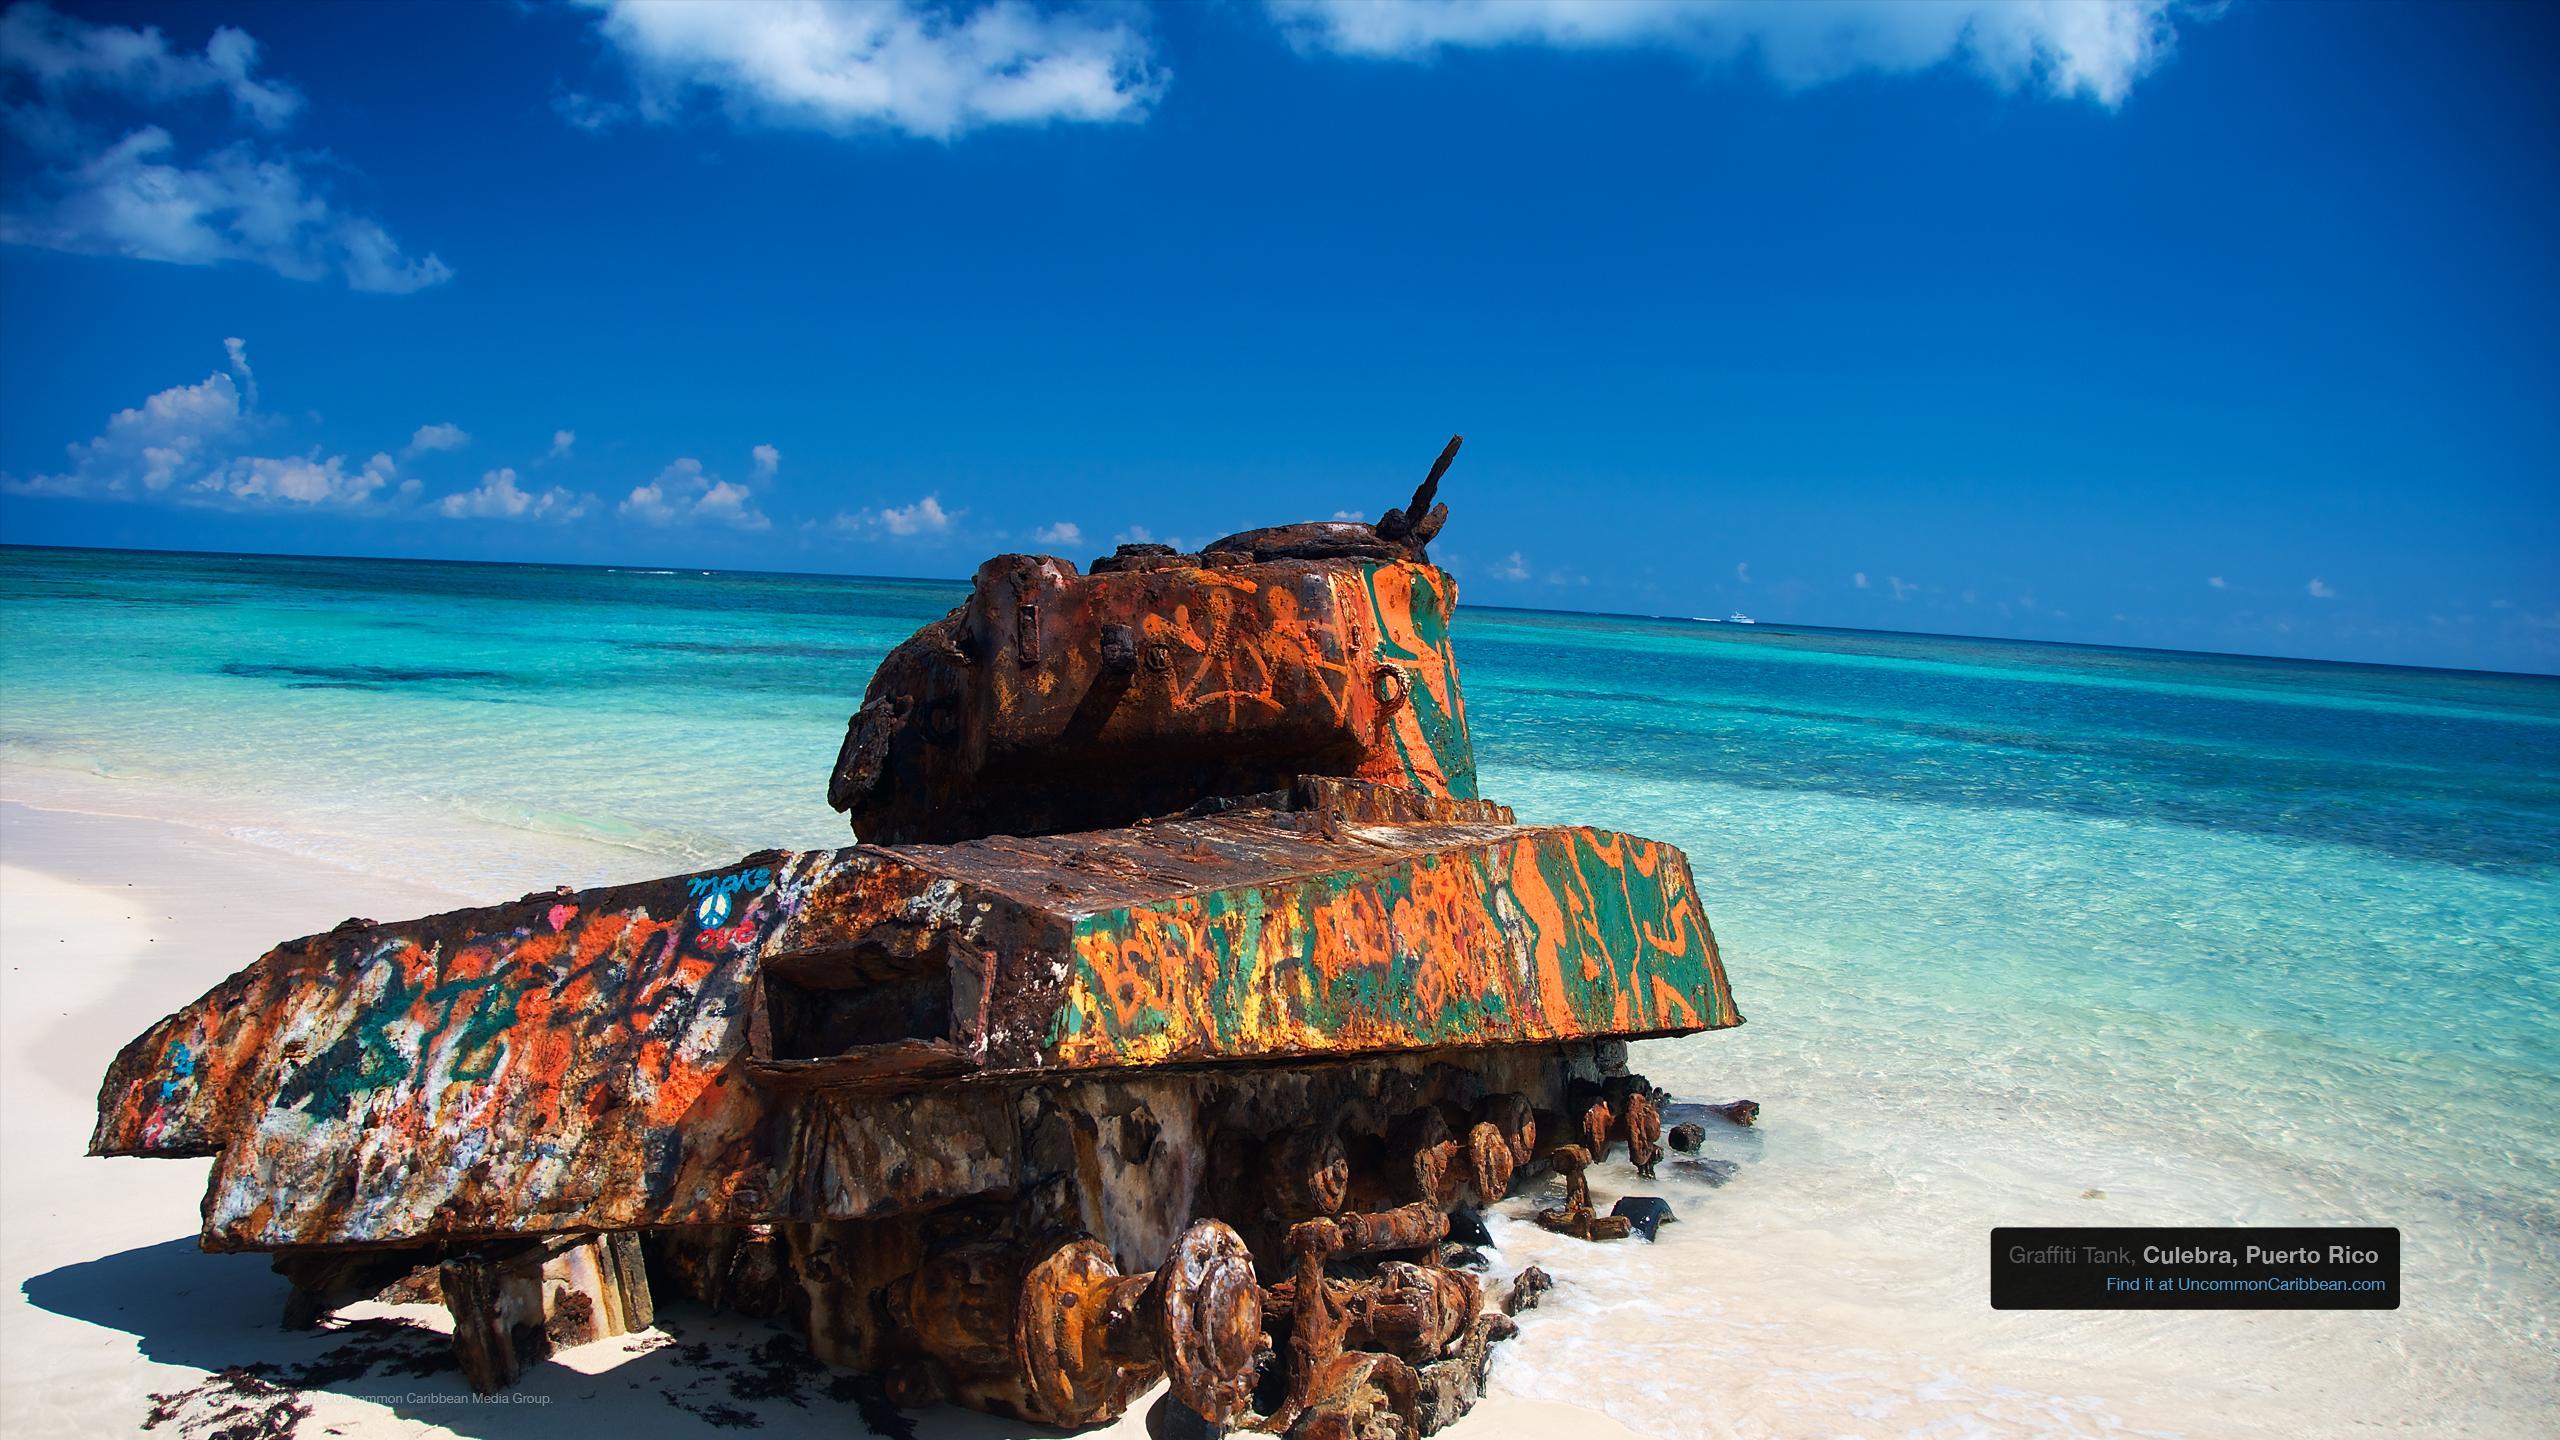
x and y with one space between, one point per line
695 1373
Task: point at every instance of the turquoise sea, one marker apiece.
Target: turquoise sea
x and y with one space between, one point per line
2025 933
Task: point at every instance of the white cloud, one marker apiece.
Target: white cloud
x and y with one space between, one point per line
298 480
122 188
1514 568
1064 532
238 350
184 445
2320 589
1859 579
61 55
172 436
373 261
923 519
1350 515
1901 589
767 459
1742 571
586 112
498 497
729 504
2216 582
842 67
652 502
2093 48
561 442
438 437
683 492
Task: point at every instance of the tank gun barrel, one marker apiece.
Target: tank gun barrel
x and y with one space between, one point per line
1421 519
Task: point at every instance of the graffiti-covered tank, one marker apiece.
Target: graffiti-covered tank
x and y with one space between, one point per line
1181 992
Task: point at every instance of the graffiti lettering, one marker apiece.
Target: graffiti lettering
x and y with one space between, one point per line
734 937
730 884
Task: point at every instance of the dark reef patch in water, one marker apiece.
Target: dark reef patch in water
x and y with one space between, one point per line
360 677
865 654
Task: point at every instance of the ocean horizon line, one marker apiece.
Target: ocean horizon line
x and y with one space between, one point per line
962 582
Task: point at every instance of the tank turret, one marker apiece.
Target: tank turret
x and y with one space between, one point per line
1054 700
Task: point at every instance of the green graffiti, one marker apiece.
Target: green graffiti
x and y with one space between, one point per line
1147 1021
482 1044
365 1057
1260 940
1443 731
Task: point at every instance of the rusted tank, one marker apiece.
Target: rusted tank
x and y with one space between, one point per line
1183 989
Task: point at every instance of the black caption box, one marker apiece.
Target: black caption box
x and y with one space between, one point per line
2147 1267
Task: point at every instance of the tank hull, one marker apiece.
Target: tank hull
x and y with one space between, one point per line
830 1035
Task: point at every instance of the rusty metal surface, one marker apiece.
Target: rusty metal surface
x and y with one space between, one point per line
1631 1117
1429 936
1267 934
516 1306
563 1063
1055 701
1064 1338
1575 1216
1208 1332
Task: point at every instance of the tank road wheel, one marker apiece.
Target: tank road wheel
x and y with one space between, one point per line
1090 1339
1489 1164
1643 1125
1307 1172
1517 1121
1209 1318
959 1304
1434 1155
1070 1301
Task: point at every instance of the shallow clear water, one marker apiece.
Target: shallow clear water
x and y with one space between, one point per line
2226 940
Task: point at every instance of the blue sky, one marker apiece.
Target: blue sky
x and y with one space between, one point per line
2213 328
